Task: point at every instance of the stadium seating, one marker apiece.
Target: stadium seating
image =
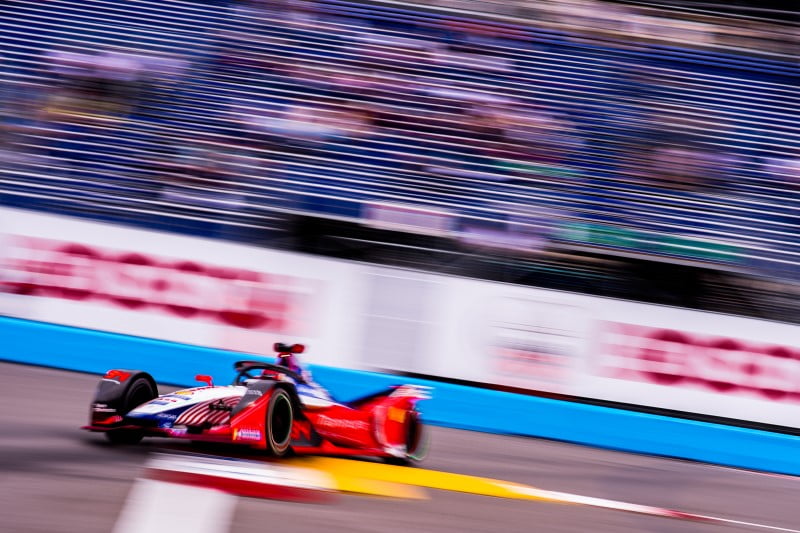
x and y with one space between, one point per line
252 110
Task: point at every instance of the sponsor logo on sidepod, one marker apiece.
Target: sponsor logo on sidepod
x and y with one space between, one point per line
246 434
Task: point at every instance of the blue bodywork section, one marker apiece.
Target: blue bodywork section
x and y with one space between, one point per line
165 419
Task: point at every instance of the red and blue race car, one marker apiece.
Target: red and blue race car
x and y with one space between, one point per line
272 407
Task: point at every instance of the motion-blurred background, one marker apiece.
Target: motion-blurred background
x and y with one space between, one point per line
618 149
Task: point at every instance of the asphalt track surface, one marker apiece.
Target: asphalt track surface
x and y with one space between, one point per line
55 478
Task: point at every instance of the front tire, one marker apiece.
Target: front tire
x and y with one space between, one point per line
278 425
138 392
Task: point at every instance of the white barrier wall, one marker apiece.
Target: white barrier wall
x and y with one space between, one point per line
183 289
229 296
586 346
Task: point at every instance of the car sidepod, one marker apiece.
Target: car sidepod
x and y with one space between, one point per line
265 416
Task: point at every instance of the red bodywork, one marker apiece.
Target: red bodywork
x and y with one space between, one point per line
370 427
384 425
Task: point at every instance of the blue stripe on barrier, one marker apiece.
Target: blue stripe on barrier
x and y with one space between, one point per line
456 406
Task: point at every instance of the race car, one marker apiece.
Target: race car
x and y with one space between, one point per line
272 407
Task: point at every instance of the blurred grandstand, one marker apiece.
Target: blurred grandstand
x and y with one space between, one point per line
614 149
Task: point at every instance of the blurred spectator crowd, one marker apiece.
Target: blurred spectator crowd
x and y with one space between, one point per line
250 118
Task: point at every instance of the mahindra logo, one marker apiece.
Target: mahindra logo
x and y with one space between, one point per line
135 281
246 434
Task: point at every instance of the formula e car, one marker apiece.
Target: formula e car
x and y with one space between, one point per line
269 407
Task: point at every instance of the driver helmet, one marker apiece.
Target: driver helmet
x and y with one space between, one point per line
287 356
290 361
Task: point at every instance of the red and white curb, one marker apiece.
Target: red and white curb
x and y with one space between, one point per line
159 506
199 494
243 478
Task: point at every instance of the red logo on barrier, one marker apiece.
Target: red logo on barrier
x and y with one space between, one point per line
717 364
140 282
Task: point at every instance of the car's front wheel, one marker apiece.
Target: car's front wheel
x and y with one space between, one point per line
139 391
278 426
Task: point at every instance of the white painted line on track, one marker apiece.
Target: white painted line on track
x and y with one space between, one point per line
641 509
160 506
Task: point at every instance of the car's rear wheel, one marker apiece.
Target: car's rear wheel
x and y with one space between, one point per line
278 426
416 442
138 392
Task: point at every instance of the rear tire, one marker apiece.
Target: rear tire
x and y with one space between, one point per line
139 391
416 442
278 425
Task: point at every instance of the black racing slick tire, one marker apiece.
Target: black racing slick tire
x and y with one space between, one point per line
278 425
138 391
